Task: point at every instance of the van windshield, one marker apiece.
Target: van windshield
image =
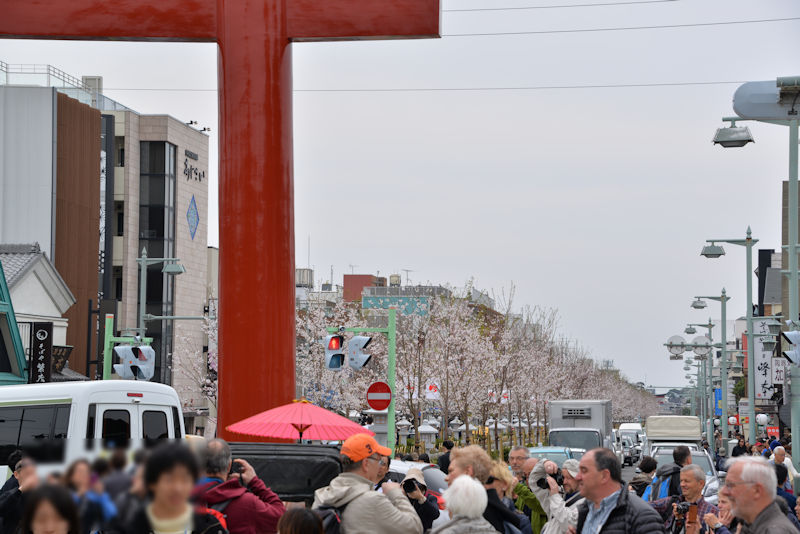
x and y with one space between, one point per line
577 439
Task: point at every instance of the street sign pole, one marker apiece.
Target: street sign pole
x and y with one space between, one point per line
391 333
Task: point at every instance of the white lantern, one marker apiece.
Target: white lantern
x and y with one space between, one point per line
716 422
762 419
731 420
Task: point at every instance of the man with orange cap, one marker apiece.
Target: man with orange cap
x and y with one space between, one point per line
364 511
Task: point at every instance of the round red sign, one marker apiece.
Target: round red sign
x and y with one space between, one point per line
379 395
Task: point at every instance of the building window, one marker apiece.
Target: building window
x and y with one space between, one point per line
119 150
157 235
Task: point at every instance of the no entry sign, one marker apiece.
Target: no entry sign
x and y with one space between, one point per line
379 395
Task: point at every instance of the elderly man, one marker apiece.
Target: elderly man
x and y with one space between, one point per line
751 486
527 502
516 459
609 507
693 480
779 457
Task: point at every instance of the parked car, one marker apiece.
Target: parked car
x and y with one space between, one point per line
701 458
434 480
557 454
578 453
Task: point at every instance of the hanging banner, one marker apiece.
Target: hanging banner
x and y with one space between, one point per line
717 401
762 361
779 371
41 353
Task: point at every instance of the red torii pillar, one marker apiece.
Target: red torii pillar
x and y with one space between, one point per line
256 206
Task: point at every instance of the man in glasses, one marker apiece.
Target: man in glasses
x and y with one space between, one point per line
362 510
751 487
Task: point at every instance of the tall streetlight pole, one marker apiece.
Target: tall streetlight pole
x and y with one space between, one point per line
723 364
715 251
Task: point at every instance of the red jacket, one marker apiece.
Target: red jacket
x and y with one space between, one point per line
252 510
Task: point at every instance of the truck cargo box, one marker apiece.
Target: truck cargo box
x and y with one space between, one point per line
673 428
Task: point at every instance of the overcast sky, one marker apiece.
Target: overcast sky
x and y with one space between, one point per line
595 201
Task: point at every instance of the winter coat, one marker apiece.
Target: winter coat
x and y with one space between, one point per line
639 483
444 462
95 510
117 483
367 511
771 520
427 511
739 450
11 504
255 509
527 499
560 516
203 523
631 515
497 513
462 525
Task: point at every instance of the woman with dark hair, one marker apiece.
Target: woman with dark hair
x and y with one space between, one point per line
50 510
95 507
170 475
300 521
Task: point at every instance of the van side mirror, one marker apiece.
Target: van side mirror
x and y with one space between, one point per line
722 474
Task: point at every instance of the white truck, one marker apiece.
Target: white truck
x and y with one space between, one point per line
670 431
581 424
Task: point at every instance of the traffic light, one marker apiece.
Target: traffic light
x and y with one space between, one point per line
356 357
334 352
793 338
136 363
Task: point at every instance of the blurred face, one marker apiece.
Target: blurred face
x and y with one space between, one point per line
691 487
172 489
47 520
371 467
455 470
780 456
81 476
384 468
527 467
724 504
27 468
741 495
516 459
570 483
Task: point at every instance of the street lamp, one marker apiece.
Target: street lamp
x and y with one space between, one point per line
690 330
698 304
723 365
171 267
733 136
748 243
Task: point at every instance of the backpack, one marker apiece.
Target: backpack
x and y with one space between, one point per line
659 489
331 518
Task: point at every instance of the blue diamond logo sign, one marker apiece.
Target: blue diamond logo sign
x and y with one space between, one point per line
193 217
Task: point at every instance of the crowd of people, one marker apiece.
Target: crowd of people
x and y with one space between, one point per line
173 489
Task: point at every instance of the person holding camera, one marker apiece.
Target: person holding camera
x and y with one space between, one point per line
427 508
689 506
547 482
232 488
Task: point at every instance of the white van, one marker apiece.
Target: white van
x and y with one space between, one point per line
58 423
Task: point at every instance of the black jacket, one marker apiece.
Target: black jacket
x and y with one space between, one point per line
444 462
11 504
203 524
498 513
631 515
739 451
427 511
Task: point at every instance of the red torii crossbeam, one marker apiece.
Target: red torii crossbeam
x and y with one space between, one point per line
256 206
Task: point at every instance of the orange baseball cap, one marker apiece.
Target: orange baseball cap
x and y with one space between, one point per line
359 446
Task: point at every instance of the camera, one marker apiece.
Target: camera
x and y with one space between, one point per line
236 467
558 477
409 486
682 508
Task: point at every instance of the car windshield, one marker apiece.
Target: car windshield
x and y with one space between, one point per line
575 439
558 457
631 434
665 457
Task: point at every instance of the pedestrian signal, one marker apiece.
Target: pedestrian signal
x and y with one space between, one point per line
356 357
334 353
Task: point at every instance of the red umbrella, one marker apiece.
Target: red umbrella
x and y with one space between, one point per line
298 420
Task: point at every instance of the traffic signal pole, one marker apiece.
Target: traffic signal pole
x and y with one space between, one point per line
110 339
391 333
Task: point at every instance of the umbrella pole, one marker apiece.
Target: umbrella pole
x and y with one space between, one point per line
301 438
